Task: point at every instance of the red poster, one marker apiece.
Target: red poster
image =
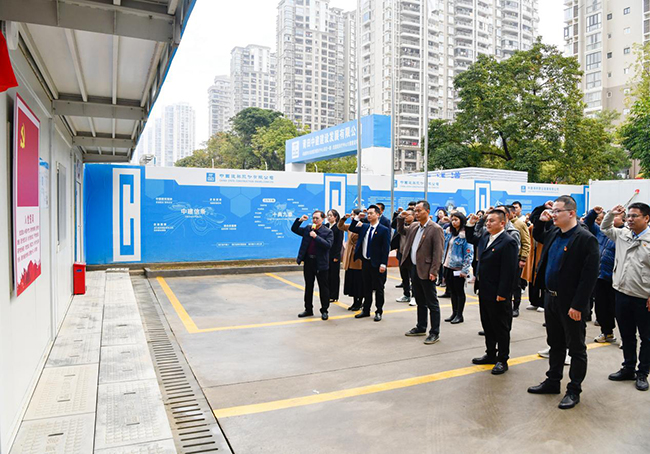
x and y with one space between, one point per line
27 226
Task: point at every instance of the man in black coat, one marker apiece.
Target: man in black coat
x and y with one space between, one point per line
568 270
315 252
372 249
497 262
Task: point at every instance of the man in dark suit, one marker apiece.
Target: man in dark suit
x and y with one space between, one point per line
568 269
497 262
383 220
372 248
315 252
422 253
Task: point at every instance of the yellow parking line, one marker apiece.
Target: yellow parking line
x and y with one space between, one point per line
191 327
370 389
300 287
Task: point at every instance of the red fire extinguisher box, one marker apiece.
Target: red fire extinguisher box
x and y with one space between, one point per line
79 278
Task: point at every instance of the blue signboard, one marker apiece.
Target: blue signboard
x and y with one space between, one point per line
152 215
338 141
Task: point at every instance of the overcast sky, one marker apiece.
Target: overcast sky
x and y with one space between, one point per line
216 26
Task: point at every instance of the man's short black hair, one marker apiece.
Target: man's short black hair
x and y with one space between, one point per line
498 212
516 202
642 207
381 206
511 208
412 203
322 215
376 208
569 202
425 205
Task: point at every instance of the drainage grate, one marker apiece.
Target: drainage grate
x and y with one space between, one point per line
193 424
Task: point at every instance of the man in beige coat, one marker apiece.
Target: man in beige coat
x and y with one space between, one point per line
423 251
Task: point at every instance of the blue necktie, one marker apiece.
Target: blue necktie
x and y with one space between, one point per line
369 240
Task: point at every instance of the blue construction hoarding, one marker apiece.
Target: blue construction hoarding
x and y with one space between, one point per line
151 215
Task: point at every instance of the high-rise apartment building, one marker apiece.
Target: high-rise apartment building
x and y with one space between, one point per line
178 130
220 105
457 32
312 56
601 34
252 75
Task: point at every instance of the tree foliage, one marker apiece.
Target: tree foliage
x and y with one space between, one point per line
525 113
268 143
346 164
247 122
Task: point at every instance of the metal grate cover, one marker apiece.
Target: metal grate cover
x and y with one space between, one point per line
194 427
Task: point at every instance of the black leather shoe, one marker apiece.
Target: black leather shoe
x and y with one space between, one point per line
324 315
354 308
432 339
450 318
641 382
362 315
569 401
515 313
458 319
378 317
305 314
399 286
622 375
500 368
545 387
485 359
445 295
481 333
415 332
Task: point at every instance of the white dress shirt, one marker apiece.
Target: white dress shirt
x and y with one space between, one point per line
416 241
493 237
371 231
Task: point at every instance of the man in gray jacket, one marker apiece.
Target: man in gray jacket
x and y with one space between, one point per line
631 281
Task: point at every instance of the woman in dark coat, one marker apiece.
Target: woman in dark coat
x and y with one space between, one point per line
333 218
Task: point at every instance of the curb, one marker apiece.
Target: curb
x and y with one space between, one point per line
152 273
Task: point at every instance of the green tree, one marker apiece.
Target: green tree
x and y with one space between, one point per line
447 149
514 112
268 143
223 150
247 122
346 164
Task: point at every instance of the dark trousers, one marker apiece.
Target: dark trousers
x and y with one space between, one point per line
405 274
334 279
496 318
632 314
564 333
373 281
605 305
516 289
310 273
424 291
456 288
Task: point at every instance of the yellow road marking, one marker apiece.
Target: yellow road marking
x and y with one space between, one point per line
190 326
300 287
370 389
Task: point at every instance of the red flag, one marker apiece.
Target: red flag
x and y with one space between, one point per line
7 77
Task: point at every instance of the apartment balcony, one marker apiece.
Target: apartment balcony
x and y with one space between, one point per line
410 9
464 24
408 75
464 12
409 110
410 43
510 6
463 34
409 87
411 20
464 54
469 3
408 121
409 99
409 134
409 63
409 143
509 27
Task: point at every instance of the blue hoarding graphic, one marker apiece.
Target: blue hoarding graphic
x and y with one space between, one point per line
188 215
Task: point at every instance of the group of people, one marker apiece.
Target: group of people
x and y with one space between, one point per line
569 265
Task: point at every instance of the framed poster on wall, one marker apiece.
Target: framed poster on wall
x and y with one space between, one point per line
26 210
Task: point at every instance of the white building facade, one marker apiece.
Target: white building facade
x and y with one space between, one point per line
220 105
252 75
178 133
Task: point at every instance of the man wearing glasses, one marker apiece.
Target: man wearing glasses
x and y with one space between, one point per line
631 281
568 269
314 250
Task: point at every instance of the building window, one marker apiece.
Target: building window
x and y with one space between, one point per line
626 30
594 41
593 22
593 100
626 10
609 16
609 55
609 94
626 51
593 80
593 60
626 70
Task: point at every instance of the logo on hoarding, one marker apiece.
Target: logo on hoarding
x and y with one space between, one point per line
211 178
523 189
295 150
127 238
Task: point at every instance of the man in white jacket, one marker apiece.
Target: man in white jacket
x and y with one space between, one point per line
631 280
